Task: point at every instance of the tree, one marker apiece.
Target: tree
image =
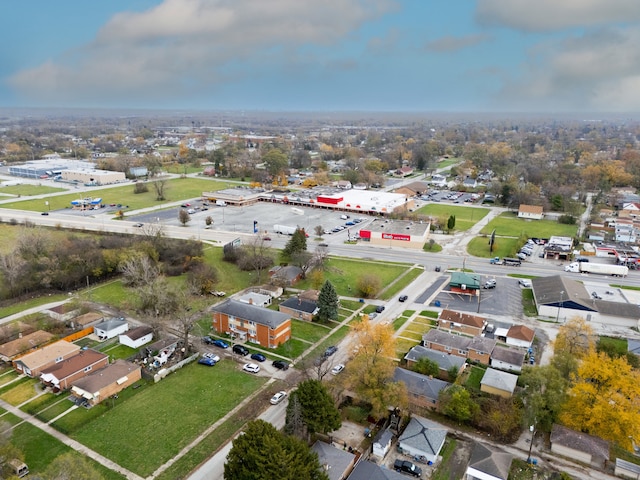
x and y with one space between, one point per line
457 404
294 422
184 217
304 260
328 302
603 399
545 391
370 373
263 453
501 418
201 278
575 337
71 466
426 366
297 243
276 161
159 186
318 230
369 285
318 409
451 222
317 278
254 256
208 221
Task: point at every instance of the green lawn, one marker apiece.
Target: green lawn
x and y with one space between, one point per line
503 247
509 225
475 376
466 217
402 282
176 189
292 348
154 425
528 303
344 274
399 322
27 190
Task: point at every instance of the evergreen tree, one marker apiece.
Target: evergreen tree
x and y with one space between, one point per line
263 453
328 302
297 244
317 407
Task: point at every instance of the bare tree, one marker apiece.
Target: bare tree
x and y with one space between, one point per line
139 270
159 187
184 217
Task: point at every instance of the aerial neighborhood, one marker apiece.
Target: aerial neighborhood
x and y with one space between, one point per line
428 299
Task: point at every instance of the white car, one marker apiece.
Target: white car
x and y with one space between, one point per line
337 369
251 367
278 397
525 282
212 356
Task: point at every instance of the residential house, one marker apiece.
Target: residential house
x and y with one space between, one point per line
101 384
486 463
498 383
274 290
469 183
403 172
510 359
520 336
382 443
626 469
422 439
366 470
61 375
296 307
459 322
625 231
336 462
480 348
136 337
423 390
63 312
35 362
438 180
288 275
257 299
86 319
444 361
110 328
579 446
531 212
24 344
446 342
247 322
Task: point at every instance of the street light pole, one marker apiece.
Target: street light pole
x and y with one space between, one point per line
560 306
532 429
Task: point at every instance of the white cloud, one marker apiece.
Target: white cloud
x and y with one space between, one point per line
181 46
546 15
452 44
597 71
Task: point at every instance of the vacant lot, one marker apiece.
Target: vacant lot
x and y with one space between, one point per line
177 189
152 426
28 190
466 217
508 224
503 247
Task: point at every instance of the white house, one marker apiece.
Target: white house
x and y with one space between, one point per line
136 337
110 328
258 299
382 443
509 359
520 336
531 212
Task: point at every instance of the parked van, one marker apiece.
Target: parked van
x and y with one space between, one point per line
344 217
18 467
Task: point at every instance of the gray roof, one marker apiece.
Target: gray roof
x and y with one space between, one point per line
424 435
500 380
444 361
618 309
633 346
299 304
630 467
582 442
419 384
482 344
448 339
489 461
383 437
336 459
366 470
253 313
513 356
106 376
111 324
138 332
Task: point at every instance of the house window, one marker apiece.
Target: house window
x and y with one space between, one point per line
87 369
447 349
59 359
462 352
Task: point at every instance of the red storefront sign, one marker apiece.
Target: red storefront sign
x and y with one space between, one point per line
396 236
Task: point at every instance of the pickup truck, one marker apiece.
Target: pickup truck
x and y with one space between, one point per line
495 261
405 466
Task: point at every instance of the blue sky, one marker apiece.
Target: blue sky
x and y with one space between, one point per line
327 55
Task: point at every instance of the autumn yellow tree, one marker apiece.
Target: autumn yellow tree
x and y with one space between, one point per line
576 337
604 399
370 373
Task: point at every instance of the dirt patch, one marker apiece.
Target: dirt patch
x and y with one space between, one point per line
456 466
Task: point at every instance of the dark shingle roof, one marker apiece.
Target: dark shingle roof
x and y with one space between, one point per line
441 337
138 332
444 361
299 304
366 470
336 459
597 447
512 356
424 435
245 311
418 384
489 461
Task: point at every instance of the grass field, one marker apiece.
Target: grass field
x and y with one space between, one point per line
401 283
311 332
28 190
466 217
176 189
509 225
154 425
503 247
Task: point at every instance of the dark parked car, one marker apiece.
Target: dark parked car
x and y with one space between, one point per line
208 340
220 343
330 351
403 298
437 268
281 365
405 466
258 357
240 350
380 309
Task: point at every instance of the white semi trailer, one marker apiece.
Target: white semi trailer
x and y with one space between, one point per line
600 268
284 229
